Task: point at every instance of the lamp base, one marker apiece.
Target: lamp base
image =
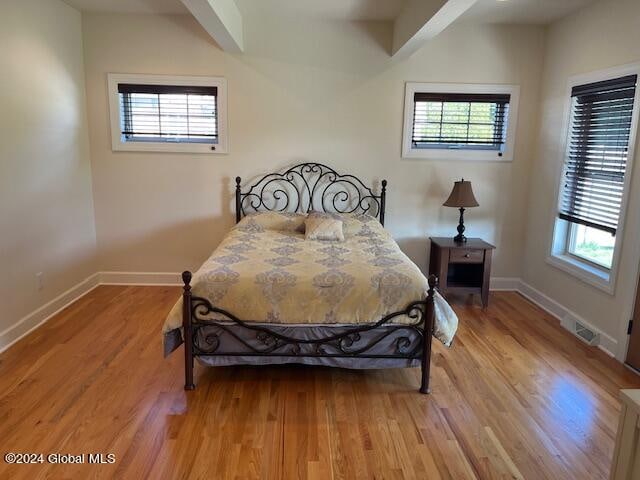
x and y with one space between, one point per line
460 238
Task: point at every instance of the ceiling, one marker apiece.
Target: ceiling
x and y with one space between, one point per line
484 11
129 6
521 11
325 9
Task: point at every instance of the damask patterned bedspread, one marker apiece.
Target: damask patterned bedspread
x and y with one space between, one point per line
265 271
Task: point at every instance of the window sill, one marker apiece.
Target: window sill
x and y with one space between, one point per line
168 147
584 272
457 154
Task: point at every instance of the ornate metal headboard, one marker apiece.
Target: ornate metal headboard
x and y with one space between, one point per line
310 187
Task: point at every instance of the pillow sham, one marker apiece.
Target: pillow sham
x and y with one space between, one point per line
323 227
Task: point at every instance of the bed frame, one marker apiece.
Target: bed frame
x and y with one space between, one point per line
304 188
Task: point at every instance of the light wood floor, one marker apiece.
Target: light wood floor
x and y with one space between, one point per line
516 397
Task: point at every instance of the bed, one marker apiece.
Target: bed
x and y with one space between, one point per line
268 296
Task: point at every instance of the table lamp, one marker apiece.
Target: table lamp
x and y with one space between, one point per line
461 197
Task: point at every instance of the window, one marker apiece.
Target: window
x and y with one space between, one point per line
601 128
591 244
465 122
471 122
168 114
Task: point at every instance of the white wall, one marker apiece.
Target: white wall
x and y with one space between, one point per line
46 205
322 91
603 35
303 91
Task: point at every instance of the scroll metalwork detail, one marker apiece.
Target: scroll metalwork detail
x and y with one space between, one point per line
346 342
311 187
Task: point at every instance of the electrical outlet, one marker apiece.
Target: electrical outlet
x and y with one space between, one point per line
40 280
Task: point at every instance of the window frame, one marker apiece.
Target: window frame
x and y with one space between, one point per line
559 255
435 153
117 143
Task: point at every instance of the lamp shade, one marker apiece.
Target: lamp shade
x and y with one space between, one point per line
461 196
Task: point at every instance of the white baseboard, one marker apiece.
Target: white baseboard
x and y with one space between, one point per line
30 322
499 284
24 326
543 301
567 317
38 317
140 278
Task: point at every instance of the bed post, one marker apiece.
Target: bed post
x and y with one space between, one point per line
238 199
188 332
383 198
427 335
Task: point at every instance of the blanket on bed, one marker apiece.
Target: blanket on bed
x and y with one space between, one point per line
265 271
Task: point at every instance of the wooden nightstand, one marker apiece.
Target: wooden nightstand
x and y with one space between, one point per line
462 267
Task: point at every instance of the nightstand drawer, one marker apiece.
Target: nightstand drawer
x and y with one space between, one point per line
466 255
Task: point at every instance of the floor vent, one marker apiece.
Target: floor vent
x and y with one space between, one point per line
586 334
